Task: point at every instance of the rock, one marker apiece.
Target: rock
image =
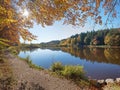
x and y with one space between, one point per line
118 80
109 81
100 81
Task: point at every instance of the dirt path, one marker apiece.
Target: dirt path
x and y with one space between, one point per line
31 79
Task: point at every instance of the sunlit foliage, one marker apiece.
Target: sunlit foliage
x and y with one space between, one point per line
13 22
113 38
12 26
109 37
3 43
75 12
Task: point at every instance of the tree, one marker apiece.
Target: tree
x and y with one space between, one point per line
46 12
87 40
3 43
12 26
73 12
113 38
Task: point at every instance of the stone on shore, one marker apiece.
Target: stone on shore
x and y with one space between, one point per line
100 81
109 81
118 80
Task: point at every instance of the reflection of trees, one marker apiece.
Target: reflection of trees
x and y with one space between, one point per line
92 54
95 54
28 49
77 52
112 55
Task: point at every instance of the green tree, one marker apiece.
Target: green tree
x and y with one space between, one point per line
87 40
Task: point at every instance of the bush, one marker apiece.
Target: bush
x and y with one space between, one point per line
73 72
68 71
57 67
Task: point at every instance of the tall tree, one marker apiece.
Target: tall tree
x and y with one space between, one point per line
12 26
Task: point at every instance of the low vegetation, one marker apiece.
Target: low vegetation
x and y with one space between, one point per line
69 71
57 67
74 73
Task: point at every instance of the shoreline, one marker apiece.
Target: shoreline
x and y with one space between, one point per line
39 78
34 79
103 46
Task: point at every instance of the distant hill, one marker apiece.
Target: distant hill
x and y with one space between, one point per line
51 43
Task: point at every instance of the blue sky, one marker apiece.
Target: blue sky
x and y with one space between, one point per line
58 31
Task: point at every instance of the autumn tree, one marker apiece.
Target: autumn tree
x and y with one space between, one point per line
46 12
12 26
113 38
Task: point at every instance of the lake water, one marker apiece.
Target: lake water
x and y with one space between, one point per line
98 63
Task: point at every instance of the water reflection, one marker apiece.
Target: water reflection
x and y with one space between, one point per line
96 54
99 63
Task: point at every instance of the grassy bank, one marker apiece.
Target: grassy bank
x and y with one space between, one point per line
74 73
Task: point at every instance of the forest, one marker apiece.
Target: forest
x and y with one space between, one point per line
108 37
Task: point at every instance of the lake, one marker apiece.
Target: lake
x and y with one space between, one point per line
98 63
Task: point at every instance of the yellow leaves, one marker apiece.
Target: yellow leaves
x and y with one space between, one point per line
98 3
6 22
57 2
7 1
3 42
43 10
26 35
85 1
84 9
6 16
2 11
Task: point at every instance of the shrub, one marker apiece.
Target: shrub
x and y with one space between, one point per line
56 67
73 72
68 71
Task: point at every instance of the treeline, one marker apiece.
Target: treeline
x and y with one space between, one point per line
109 37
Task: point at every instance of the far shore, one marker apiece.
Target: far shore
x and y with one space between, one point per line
58 46
102 46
